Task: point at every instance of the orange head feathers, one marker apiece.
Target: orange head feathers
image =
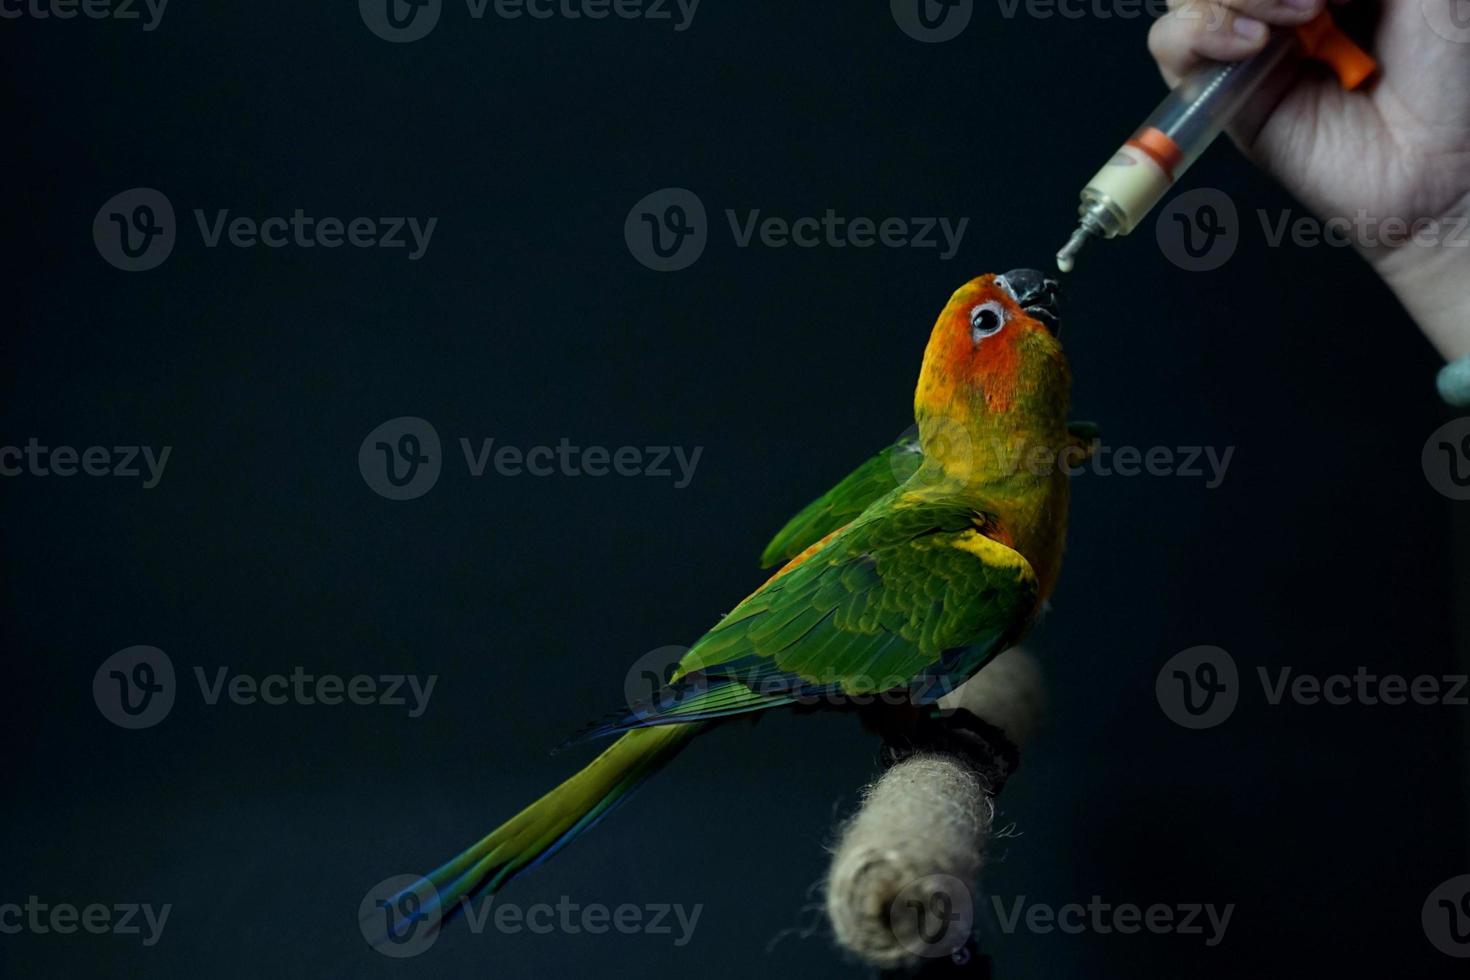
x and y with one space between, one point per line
994 352
994 364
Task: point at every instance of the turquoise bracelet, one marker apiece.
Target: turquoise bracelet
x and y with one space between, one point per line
1454 382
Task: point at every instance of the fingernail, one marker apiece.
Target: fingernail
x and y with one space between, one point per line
1250 28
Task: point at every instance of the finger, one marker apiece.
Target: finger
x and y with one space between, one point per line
1203 30
1270 11
1220 29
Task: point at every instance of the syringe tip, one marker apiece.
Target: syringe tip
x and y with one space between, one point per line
1067 257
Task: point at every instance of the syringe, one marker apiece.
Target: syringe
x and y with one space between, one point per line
1116 199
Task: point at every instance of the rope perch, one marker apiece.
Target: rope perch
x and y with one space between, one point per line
900 886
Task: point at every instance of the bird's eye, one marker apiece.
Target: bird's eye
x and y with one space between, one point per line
986 320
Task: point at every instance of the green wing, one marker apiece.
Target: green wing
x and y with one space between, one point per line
844 502
861 487
911 595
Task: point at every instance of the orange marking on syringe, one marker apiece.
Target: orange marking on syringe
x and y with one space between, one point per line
1164 151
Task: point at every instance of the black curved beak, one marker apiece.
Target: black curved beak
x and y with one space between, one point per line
1037 295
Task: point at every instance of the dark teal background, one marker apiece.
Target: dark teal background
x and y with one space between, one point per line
528 321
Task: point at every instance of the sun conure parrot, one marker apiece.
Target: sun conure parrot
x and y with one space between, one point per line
909 575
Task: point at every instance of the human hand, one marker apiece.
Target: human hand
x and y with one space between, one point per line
1395 152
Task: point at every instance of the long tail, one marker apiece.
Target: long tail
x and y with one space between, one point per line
552 822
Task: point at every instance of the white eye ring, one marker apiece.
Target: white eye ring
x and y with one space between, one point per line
986 320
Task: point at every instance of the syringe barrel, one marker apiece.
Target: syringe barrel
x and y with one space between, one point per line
1204 102
1174 135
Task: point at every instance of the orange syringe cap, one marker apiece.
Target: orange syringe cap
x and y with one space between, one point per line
1322 40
